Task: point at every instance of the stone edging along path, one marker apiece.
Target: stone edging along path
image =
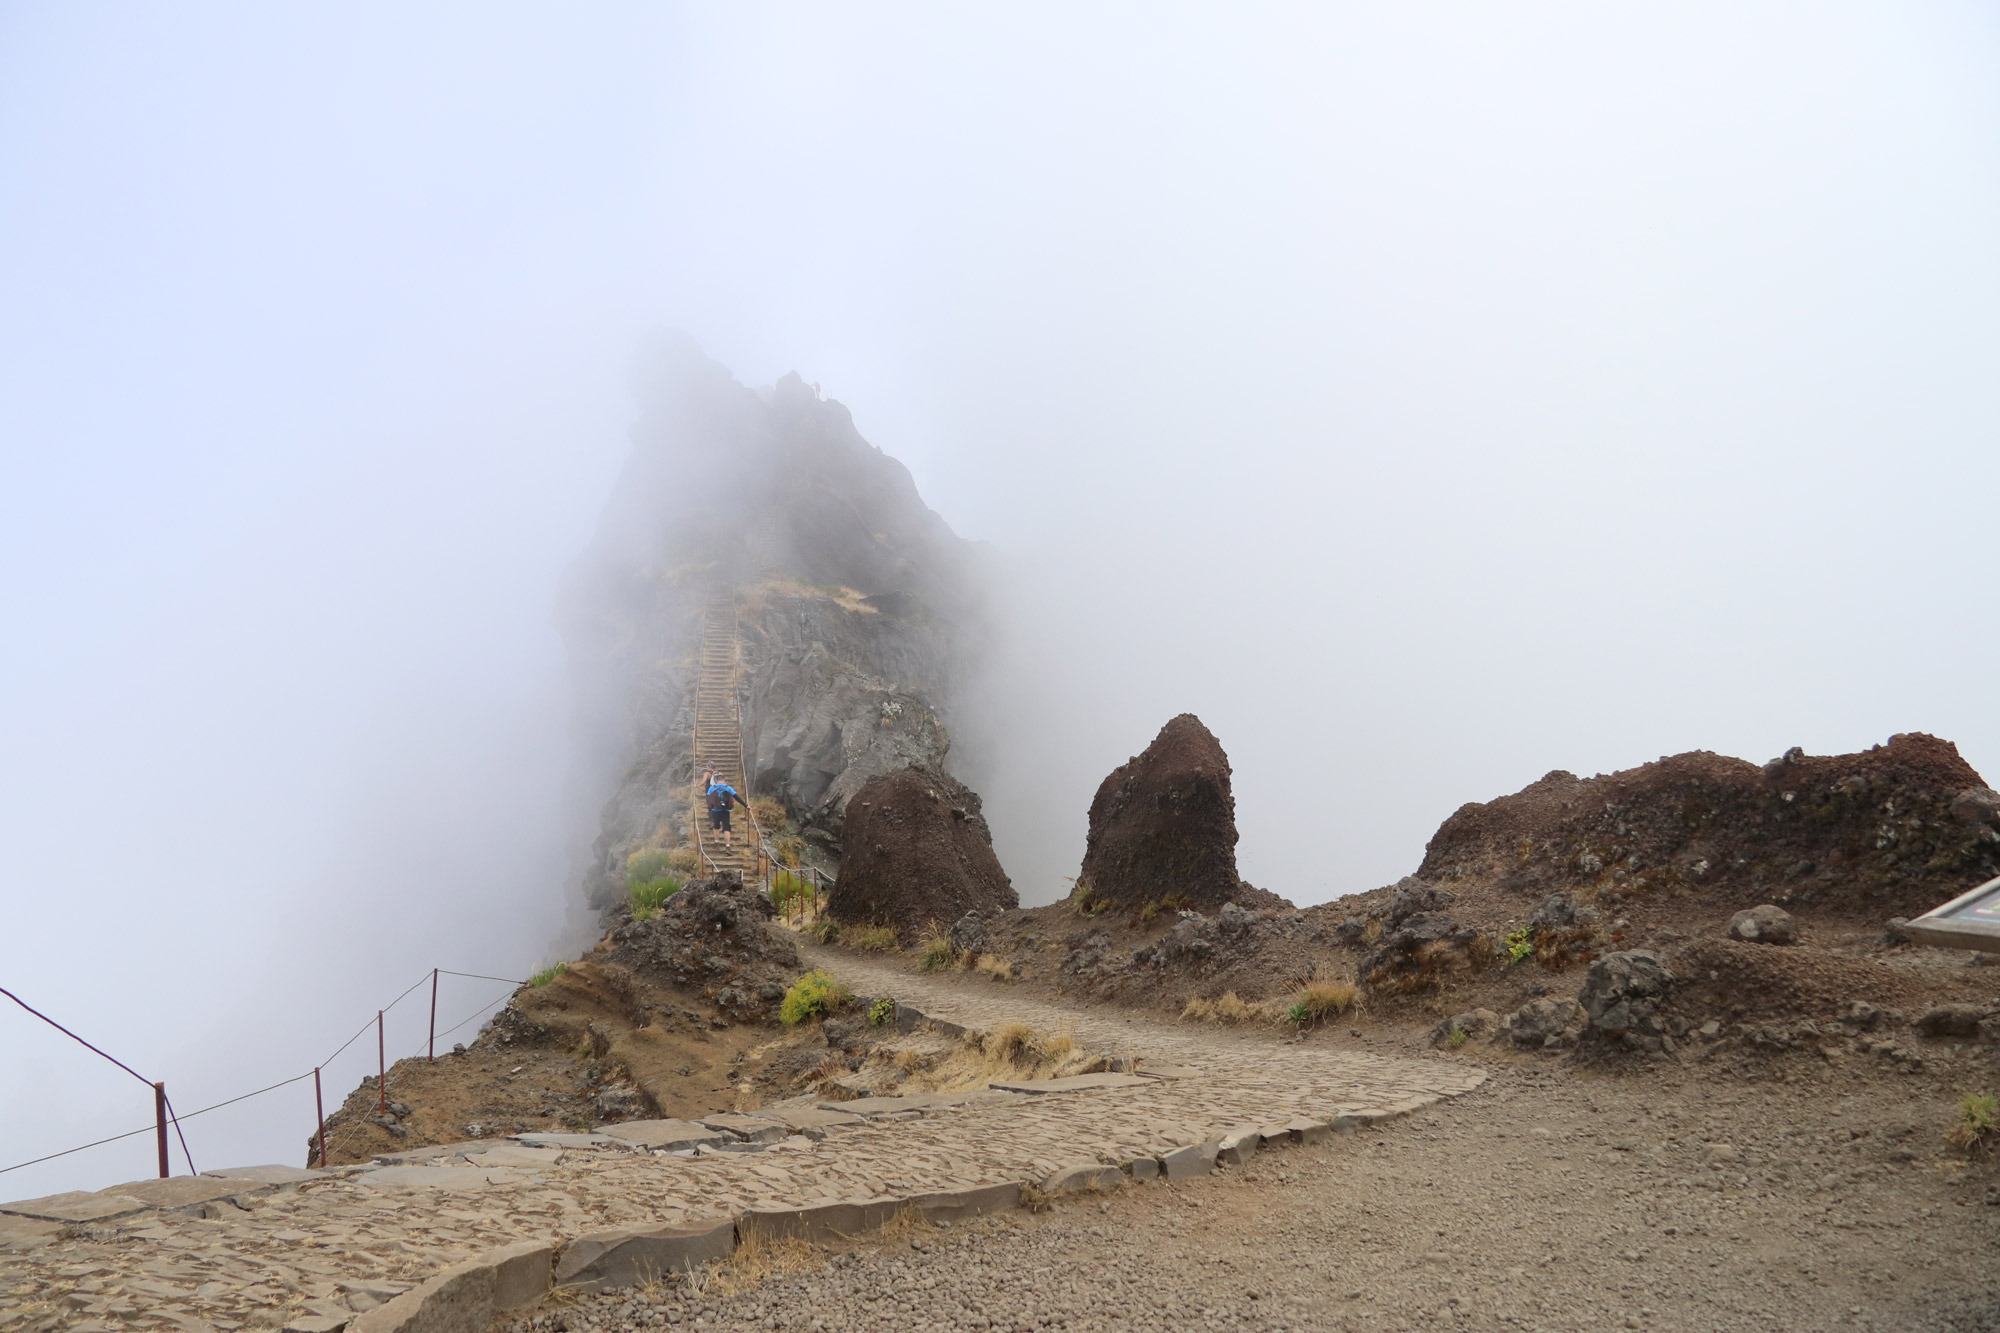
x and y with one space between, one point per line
644 1200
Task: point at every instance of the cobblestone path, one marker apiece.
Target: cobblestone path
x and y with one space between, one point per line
159 1256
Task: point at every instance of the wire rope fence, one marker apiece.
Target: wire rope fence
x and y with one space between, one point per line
165 1117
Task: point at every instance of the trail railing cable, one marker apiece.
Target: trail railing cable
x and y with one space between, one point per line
166 1117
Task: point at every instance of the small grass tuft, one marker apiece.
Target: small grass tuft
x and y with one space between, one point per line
759 1256
1978 1120
994 966
1455 1038
907 1223
934 951
814 995
1325 995
874 939
542 976
649 896
1012 1042
825 930
831 1065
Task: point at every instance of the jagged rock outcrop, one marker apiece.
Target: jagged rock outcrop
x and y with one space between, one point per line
1163 825
856 608
1895 829
826 706
713 937
917 853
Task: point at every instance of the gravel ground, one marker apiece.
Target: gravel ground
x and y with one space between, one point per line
1551 1199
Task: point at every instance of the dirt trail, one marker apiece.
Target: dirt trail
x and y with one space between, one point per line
1550 1198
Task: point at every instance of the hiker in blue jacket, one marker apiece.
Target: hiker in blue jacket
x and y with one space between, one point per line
721 796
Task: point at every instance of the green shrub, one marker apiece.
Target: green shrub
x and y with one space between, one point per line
1299 1014
542 976
649 864
649 897
825 929
882 1012
1977 1121
1519 946
814 995
1455 1038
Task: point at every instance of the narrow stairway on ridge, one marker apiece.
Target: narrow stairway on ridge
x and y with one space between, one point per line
718 738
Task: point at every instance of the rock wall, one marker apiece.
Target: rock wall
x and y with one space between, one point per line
857 607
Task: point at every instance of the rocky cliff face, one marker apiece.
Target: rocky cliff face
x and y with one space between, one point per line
856 604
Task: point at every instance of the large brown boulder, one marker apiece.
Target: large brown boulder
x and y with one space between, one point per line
916 852
1163 825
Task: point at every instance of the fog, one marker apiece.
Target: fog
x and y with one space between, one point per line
1427 397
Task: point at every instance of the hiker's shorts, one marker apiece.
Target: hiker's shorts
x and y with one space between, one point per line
718 818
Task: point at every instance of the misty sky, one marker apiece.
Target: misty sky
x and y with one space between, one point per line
1427 396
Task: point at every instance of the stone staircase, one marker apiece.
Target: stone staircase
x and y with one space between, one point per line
718 738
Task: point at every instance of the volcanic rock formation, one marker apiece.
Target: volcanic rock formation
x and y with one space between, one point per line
855 608
917 853
1163 825
1893 830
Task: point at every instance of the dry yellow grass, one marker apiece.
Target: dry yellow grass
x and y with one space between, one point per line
769 813
1231 1008
1325 994
934 950
874 939
829 1066
759 1257
1010 1051
994 966
1010 1042
907 1224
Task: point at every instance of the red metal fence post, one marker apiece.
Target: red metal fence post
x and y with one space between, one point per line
319 1105
434 1015
160 1123
381 1067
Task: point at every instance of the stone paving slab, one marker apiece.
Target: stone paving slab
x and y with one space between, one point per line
512 1154
18 1235
183 1191
267 1175
305 1247
568 1140
1072 1083
76 1206
670 1135
439 1177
